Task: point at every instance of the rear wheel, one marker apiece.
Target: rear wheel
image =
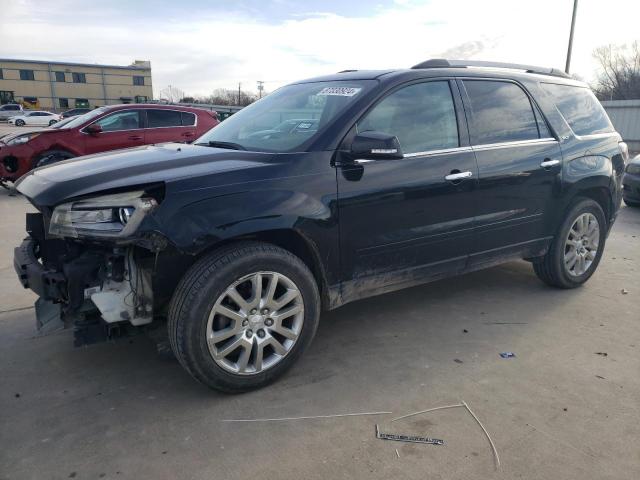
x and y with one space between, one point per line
576 250
51 122
241 316
52 156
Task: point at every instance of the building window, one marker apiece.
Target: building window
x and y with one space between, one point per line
82 102
79 77
64 102
1 75
30 102
138 80
60 77
6 97
142 99
26 75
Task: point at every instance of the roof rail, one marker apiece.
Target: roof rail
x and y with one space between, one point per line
443 63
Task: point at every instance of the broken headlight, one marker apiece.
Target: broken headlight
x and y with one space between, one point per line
109 216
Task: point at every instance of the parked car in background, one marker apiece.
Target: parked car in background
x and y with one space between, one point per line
34 118
100 130
631 183
75 112
235 244
10 110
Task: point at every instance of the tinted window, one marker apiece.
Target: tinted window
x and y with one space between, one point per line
138 80
127 120
60 77
501 112
422 116
26 75
188 119
82 102
163 118
1 74
11 107
580 108
79 77
64 102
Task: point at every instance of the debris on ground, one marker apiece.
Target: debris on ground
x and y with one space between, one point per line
407 438
465 330
457 360
624 291
397 453
602 354
463 404
505 323
507 354
600 377
305 418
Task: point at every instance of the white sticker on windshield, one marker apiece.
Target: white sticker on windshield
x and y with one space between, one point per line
340 91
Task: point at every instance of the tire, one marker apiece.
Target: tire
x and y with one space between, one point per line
19 123
553 268
52 122
631 203
51 156
202 292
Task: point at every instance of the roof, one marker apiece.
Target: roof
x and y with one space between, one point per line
440 68
73 64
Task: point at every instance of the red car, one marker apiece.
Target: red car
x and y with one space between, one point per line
102 129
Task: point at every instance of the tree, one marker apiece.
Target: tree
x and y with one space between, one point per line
619 76
171 94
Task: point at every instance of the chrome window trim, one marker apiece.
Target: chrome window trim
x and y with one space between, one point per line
443 151
514 143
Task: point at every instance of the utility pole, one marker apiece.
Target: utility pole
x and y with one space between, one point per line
239 85
260 88
573 25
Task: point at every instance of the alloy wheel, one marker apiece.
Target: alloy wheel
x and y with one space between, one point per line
255 323
581 245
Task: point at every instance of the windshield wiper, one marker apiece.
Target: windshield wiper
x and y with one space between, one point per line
228 145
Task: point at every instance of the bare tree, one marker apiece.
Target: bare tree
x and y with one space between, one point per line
171 94
619 76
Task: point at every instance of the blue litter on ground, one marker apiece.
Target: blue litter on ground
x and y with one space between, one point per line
507 354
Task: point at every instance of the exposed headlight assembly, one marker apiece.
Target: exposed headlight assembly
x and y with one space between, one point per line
19 140
109 216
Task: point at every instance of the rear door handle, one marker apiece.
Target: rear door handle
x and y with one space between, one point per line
453 177
188 134
135 137
549 163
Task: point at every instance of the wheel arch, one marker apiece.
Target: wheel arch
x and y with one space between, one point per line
288 239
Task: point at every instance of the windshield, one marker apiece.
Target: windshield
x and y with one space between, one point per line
63 123
287 118
81 119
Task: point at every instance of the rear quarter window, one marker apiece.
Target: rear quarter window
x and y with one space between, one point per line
580 108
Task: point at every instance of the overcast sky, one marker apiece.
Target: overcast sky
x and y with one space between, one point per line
200 45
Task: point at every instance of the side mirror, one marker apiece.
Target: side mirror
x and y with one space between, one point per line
94 129
376 146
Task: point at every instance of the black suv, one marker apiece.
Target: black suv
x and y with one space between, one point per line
386 179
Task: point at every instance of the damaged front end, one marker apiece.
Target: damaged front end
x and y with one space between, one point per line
91 266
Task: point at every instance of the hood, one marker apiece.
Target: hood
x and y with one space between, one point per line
11 135
149 164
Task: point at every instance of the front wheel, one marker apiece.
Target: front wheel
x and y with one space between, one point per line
51 156
241 316
19 123
576 250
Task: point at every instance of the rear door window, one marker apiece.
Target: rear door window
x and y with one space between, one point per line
580 108
164 118
501 112
422 116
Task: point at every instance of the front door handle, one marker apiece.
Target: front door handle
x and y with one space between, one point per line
457 176
549 163
135 137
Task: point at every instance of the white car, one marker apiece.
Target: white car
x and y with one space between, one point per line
36 117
